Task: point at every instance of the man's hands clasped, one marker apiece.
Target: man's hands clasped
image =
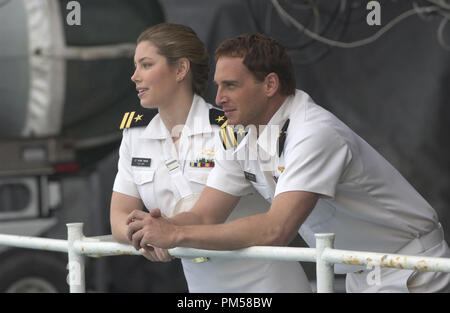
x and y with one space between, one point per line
151 233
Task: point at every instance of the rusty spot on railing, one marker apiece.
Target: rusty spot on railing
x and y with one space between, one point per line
124 252
391 263
352 260
422 266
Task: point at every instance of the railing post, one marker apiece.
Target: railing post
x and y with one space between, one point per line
76 260
324 269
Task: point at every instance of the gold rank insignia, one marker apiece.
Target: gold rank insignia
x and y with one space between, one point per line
229 136
217 117
137 118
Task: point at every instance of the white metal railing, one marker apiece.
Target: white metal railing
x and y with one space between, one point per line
77 246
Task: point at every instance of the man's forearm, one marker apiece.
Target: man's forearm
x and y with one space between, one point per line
277 227
186 218
256 230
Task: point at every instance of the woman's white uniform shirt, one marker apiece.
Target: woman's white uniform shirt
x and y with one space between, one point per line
147 154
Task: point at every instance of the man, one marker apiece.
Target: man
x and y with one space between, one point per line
317 173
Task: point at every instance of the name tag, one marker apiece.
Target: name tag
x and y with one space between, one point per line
141 162
250 176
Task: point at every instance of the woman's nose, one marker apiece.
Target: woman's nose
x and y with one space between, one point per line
134 76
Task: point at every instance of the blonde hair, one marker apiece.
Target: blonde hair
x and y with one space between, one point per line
175 41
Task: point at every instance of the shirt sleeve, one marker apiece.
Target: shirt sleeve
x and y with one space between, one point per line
315 162
227 174
124 182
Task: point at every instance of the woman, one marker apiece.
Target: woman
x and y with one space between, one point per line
165 165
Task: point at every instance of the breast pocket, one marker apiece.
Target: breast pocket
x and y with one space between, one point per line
143 177
144 180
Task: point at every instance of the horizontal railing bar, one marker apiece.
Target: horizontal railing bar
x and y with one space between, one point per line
399 261
101 249
106 246
262 252
48 244
93 249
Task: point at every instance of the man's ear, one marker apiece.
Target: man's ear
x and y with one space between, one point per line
183 66
271 84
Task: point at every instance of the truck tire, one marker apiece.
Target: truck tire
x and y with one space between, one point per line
32 271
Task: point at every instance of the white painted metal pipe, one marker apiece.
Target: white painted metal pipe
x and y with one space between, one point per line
266 253
34 243
324 269
100 249
106 246
419 263
77 246
76 259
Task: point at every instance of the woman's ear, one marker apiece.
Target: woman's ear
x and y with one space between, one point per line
271 84
183 66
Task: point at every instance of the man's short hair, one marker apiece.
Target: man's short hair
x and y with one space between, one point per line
261 55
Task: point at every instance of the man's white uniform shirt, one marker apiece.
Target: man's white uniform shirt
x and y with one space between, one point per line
158 189
363 199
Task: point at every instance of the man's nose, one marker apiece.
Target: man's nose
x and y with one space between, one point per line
220 99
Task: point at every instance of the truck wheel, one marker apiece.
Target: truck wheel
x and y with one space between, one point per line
32 272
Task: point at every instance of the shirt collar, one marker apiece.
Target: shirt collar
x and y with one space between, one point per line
197 122
268 138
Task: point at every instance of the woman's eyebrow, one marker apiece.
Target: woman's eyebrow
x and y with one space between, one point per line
142 59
